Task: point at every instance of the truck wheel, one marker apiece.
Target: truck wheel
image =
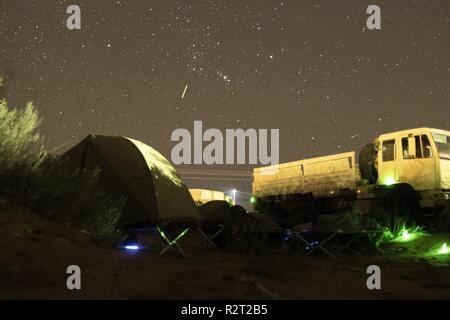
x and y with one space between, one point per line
401 210
443 220
367 159
381 216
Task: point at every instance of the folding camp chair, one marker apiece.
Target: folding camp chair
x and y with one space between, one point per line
172 244
341 245
208 238
354 237
320 245
299 236
334 240
342 231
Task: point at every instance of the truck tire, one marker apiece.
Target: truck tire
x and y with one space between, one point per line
367 159
402 205
443 221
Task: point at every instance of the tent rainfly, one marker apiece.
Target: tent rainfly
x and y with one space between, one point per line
154 191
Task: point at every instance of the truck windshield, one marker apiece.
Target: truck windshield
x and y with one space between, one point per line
443 145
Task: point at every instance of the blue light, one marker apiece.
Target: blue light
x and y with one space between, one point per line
132 247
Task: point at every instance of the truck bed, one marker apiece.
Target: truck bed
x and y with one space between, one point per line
321 176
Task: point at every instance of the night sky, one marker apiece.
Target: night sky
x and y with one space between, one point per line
308 68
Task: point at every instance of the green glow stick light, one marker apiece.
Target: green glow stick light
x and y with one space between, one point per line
163 235
443 249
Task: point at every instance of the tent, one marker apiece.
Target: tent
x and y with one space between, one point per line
154 192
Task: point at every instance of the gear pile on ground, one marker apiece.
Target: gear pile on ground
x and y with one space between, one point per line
242 231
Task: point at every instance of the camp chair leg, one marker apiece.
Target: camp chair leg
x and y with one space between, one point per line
208 239
172 244
348 245
180 249
204 239
356 252
298 236
321 247
175 247
167 247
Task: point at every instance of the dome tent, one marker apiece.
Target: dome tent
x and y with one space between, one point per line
155 193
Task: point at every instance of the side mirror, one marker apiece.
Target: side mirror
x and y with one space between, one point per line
376 146
411 147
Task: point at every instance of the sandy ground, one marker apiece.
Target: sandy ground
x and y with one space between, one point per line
35 253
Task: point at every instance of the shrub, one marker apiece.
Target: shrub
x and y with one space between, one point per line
21 151
19 139
43 183
61 193
107 213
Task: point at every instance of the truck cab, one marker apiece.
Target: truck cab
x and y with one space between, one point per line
417 157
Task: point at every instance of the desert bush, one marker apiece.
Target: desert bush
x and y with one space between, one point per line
19 139
56 191
108 212
45 184
64 194
21 151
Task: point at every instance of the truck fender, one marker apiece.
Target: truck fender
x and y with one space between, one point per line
403 190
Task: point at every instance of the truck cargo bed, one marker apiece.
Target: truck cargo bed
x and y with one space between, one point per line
321 176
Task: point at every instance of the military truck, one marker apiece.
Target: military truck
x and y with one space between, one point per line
400 174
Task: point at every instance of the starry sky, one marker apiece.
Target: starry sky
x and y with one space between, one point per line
309 68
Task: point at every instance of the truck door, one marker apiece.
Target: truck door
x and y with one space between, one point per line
387 162
416 165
